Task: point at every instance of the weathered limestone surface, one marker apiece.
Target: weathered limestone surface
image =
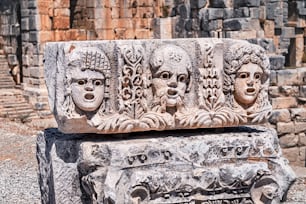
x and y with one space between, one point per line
235 165
141 85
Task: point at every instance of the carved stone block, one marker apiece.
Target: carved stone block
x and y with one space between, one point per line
237 166
139 85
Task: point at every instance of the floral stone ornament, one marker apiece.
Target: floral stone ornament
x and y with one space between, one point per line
141 85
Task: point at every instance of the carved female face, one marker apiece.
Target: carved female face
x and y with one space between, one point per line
247 84
87 89
170 81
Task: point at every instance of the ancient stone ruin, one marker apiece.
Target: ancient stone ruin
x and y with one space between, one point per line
156 85
122 90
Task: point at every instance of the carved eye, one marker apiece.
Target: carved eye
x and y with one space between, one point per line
243 75
165 75
257 76
82 82
182 78
98 82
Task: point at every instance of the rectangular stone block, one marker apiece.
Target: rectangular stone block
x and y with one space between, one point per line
215 13
12 59
302 139
269 28
60 35
141 85
233 166
221 4
62 3
241 12
196 4
25 24
26 60
284 102
228 13
44 36
243 24
292 91
77 34
270 10
34 22
280 115
289 140
246 3
25 12
277 62
45 22
302 92
302 75
255 12
292 154
262 13
44 6
35 73
299 127
274 91
298 114
26 72
288 32
273 78
61 12
62 22
288 77
283 128
241 34
215 25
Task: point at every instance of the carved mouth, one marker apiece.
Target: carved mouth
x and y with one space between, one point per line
172 92
89 96
250 91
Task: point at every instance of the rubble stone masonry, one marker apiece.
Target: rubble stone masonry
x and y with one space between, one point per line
277 25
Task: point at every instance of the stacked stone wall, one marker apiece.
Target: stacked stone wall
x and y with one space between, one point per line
288 97
277 25
10 36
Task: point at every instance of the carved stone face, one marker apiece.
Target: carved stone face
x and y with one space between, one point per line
170 81
87 89
247 84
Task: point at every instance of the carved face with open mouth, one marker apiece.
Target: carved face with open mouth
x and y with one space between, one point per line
87 89
171 81
247 84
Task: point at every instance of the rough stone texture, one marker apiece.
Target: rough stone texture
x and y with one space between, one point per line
27 25
280 115
235 165
288 95
124 86
289 140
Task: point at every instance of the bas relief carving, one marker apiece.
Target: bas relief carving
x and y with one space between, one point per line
171 78
211 170
225 83
87 83
246 81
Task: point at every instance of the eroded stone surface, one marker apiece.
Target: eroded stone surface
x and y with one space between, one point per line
126 86
238 165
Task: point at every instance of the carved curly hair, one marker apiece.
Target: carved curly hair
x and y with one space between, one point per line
86 58
241 53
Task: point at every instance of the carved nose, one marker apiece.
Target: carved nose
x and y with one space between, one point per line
89 87
250 82
172 82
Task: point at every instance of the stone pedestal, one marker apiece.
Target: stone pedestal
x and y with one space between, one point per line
230 165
